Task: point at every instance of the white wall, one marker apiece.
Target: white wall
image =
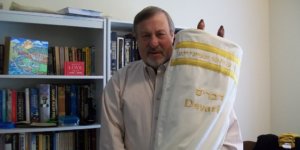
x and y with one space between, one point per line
246 23
285 68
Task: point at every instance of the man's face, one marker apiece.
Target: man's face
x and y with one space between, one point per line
154 40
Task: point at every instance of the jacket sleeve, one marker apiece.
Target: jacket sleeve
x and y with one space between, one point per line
233 139
112 127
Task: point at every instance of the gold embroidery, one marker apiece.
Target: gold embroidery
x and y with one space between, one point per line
211 95
201 107
208 48
205 57
203 64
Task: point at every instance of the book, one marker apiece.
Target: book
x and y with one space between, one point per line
34 105
61 59
75 68
44 105
1 58
120 52
113 55
27 105
32 141
22 141
56 60
21 114
50 61
43 124
11 105
127 49
53 103
80 12
25 56
2 106
61 100
87 60
73 100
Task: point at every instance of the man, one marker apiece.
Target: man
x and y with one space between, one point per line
131 98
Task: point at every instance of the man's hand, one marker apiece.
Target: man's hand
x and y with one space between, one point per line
201 26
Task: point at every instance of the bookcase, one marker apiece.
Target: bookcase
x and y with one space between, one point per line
120 27
64 31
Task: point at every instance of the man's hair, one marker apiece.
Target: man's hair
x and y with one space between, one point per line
149 12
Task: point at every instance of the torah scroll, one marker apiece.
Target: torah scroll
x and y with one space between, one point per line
199 91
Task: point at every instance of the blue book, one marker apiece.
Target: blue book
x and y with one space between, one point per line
33 144
2 107
73 100
34 105
113 56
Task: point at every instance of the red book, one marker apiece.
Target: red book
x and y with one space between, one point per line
11 105
74 68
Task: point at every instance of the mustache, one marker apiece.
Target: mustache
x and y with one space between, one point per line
158 49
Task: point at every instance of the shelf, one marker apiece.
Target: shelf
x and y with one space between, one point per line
121 25
49 77
49 129
50 19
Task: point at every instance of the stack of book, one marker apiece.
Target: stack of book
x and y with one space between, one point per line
80 12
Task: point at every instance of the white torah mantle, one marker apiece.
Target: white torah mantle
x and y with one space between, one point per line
199 91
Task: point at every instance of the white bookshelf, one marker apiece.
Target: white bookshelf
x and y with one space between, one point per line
49 129
59 30
119 26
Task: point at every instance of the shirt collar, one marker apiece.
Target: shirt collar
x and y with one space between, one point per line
150 73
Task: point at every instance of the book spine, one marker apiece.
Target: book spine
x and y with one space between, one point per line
74 53
1 59
120 51
87 52
27 105
61 59
33 141
21 117
22 141
50 61
67 99
40 141
57 60
1 107
127 50
66 54
6 55
14 105
93 60
34 105
8 141
73 100
44 98
53 103
9 105
114 61
4 105
61 100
